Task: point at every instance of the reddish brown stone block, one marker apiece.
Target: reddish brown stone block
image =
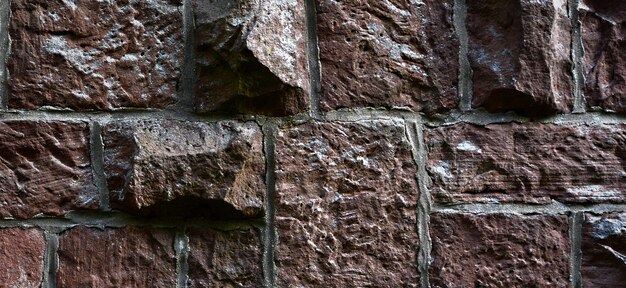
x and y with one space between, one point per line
45 167
604 250
530 162
21 255
128 257
388 54
185 166
519 51
90 54
225 259
251 56
499 250
603 29
346 206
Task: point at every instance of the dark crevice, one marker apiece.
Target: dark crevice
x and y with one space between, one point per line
194 207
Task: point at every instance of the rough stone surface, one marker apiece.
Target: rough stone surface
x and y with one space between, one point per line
251 56
604 41
519 51
529 162
388 54
499 250
186 164
346 206
225 259
45 167
604 250
91 54
21 255
128 257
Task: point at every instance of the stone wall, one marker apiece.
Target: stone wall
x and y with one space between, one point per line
312 143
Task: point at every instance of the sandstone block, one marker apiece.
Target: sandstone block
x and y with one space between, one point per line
519 51
530 162
499 250
45 167
603 27
603 248
388 54
174 167
346 206
91 54
21 255
251 56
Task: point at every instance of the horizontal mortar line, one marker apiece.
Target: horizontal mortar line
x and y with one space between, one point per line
481 117
554 207
118 220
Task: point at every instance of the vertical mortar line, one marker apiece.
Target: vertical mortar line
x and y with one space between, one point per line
415 134
575 236
577 57
5 43
181 246
97 164
313 56
269 230
188 76
465 70
51 260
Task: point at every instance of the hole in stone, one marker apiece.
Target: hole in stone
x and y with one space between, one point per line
195 207
505 99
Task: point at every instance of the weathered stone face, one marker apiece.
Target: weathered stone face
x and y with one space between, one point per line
346 206
499 250
519 51
603 249
167 161
21 255
225 259
128 257
388 54
45 167
251 56
603 27
527 163
90 54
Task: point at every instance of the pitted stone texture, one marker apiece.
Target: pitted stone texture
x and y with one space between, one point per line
45 167
21 255
251 56
152 161
90 54
603 27
529 162
519 51
225 259
499 250
346 206
604 250
388 54
128 257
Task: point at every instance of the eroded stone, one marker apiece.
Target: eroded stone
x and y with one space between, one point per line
519 51
499 250
90 54
185 166
603 29
529 162
128 257
251 56
21 255
346 206
388 54
225 259
45 167
604 250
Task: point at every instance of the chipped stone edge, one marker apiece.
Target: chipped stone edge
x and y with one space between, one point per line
181 246
575 230
313 58
51 260
465 70
269 232
577 58
414 133
5 47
